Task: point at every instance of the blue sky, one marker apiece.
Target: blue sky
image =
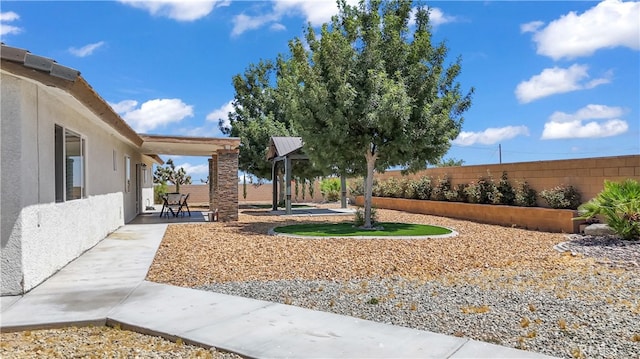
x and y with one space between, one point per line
553 80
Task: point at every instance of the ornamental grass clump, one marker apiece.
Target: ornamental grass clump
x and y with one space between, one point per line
619 205
562 197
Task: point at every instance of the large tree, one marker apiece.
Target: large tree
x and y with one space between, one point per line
368 94
256 116
169 173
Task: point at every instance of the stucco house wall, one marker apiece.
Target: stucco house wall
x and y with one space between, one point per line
40 236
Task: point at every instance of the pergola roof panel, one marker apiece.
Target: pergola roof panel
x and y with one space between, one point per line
187 146
282 146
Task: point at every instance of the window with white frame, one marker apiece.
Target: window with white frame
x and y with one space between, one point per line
70 163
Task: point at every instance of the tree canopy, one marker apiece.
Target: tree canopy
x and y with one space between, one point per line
256 116
368 94
169 173
450 162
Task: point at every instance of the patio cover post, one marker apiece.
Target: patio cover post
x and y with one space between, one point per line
287 174
213 182
274 185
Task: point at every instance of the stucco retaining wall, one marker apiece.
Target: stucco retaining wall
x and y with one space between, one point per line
535 218
54 234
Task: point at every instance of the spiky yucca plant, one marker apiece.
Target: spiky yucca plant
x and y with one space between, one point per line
619 205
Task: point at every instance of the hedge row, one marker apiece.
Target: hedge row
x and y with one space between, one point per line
484 191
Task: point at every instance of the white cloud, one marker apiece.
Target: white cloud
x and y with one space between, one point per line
242 22
9 16
85 50
221 113
490 136
277 27
124 106
589 112
557 80
591 121
611 23
153 113
437 17
180 10
9 29
208 130
192 170
315 12
532 26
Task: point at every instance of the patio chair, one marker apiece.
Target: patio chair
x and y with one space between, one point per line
164 205
184 203
173 203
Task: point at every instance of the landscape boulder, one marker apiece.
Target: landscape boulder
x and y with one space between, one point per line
598 229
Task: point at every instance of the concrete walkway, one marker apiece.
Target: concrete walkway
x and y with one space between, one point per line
106 285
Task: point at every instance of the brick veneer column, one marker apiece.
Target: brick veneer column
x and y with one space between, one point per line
227 185
213 181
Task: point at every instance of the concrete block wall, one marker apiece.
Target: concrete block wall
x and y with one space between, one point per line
199 194
586 175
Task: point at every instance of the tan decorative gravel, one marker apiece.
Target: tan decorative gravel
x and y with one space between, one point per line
97 342
197 254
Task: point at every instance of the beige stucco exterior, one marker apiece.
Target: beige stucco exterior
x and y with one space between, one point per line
40 236
41 228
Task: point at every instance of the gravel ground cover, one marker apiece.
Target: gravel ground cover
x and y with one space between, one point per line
97 342
502 285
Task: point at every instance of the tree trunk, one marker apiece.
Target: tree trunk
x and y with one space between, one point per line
368 188
343 191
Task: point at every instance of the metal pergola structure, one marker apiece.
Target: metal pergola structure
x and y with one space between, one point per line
284 149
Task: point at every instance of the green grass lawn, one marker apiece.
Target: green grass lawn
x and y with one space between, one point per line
346 229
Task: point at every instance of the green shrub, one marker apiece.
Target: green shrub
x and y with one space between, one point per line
159 190
376 189
330 189
392 188
457 194
562 197
359 217
525 195
439 191
356 187
422 188
504 193
619 204
484 191
408 190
